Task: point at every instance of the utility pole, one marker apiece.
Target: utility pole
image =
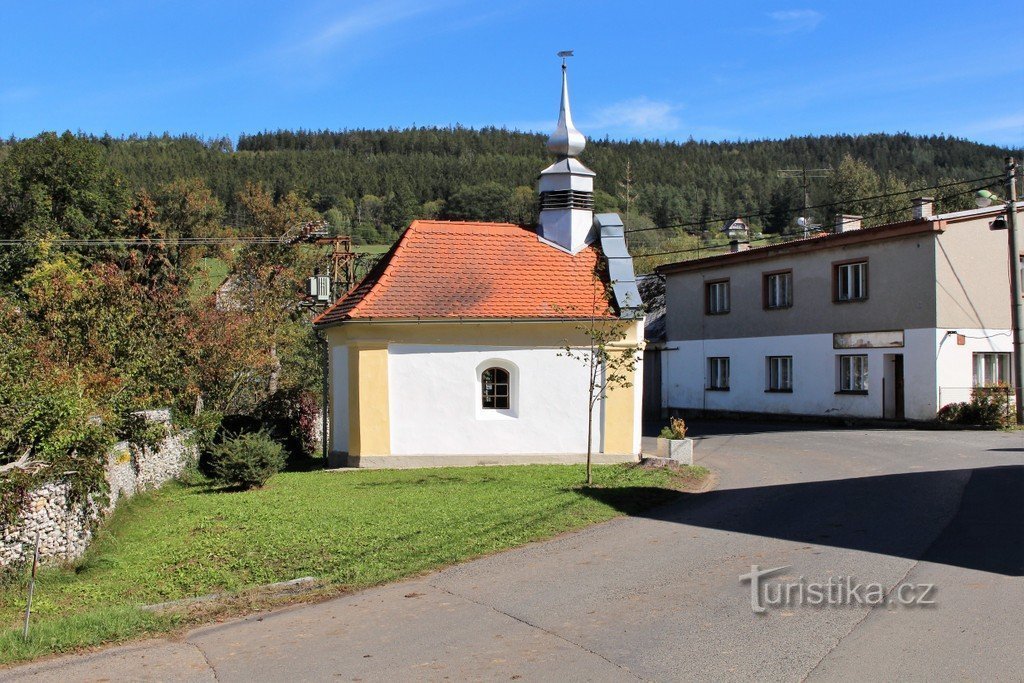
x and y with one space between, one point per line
1016 304
627 189
805 174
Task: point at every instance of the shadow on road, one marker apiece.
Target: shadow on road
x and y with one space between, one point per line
911 515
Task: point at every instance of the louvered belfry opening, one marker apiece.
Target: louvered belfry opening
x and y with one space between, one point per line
566 199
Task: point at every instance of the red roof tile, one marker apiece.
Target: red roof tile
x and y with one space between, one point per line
441 269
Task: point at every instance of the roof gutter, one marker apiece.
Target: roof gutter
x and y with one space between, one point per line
461 320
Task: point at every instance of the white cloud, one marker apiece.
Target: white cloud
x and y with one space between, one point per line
794 20
360 22
640 115
18 94
1007 130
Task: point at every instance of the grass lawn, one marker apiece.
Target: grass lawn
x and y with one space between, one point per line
351 529
210 273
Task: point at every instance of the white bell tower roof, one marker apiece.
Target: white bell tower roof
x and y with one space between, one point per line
566 140
566 187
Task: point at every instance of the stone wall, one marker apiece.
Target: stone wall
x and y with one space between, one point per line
64 529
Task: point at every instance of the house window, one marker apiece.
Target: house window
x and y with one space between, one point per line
853 374
778 290
718 373
779 373
992 369
717 297
494 387
850 281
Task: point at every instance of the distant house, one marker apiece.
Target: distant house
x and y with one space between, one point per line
892 321
451 351
736 229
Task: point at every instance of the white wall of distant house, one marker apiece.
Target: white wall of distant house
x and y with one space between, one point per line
955 363
435 402
339 399
684 368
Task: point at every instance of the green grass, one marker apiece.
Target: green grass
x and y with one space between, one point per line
210 273
351 529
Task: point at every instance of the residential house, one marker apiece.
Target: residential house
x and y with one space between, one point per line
453 349
736 229
892 321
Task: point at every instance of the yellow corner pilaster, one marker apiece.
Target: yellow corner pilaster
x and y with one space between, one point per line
618 419
369 410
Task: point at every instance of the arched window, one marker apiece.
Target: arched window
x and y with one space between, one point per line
494 388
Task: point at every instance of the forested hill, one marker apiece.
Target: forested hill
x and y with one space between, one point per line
371 182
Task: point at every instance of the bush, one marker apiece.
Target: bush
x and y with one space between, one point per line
988 407
247 461
676 429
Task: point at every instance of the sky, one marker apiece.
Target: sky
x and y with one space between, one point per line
672 70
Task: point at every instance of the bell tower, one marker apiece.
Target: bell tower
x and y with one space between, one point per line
566 187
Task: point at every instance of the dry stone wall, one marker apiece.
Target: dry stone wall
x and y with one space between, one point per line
65 527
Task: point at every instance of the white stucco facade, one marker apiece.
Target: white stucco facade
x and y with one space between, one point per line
339 397
435 401
937 367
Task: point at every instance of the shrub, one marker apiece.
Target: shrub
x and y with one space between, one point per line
676 429
247 461
988 407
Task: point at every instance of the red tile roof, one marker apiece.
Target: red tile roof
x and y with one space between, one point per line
457 270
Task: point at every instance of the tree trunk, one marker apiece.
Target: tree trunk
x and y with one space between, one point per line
590 439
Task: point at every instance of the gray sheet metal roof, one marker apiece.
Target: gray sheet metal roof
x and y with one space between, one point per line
620 265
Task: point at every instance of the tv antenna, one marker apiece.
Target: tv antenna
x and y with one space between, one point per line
805 175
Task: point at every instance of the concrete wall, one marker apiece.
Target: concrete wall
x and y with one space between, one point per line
684 366
901 293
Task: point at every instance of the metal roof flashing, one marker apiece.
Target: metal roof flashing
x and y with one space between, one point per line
621 274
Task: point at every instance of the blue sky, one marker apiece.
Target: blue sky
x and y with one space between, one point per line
729 69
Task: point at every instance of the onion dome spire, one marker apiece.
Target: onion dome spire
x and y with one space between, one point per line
566 141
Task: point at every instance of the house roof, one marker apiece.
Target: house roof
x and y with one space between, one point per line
813 243
462 270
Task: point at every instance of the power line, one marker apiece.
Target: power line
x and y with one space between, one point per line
861 218
762 214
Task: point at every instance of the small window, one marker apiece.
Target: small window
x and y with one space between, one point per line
718 373
851 281
778 290
991 369
494 387
779 373
853 374
717 297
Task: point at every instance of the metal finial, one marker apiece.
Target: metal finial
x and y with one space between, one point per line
566 141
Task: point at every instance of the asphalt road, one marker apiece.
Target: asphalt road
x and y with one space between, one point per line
659 597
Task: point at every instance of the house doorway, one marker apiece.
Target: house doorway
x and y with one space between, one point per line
895 408
652 407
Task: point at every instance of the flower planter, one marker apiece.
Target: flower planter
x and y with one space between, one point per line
678 450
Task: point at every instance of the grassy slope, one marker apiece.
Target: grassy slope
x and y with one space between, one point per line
353 529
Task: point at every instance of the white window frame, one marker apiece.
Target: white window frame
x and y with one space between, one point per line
718 373
992 368
851 281
778 374
512 412
717 297
852 374
778 290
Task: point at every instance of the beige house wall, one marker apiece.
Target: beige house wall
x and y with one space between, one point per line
972 276
901 293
